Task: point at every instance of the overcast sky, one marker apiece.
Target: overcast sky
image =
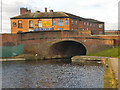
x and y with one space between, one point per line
102 10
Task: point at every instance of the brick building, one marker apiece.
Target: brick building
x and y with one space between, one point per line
41 21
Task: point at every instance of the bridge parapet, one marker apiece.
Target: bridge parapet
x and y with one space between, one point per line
57 34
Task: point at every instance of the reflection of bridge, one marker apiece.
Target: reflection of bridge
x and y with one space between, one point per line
54 44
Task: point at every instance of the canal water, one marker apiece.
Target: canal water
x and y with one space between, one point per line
52 74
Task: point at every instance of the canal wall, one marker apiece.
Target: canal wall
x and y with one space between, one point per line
115 37
112 69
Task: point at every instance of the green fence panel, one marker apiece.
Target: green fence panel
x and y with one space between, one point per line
10 51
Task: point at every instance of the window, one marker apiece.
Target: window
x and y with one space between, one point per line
19 24
60 23
100 25
76 22
66 22
14 24
91 25
39 24
30 24
54 22
84 23
87 24
94 25
72 22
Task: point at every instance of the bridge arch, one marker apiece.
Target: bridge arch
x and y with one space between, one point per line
67 48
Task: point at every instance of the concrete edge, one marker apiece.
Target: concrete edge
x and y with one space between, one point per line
13 59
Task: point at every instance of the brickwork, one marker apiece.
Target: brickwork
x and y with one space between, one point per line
115 37
40 42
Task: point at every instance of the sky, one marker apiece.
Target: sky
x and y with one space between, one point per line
102 10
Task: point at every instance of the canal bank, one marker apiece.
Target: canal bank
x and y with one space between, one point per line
111 69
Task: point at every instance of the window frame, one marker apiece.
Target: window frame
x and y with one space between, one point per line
54 22
30 24
20 24
60 22
39 24
84 23
72 21
14 24
66 22
88 24
100 26
76 22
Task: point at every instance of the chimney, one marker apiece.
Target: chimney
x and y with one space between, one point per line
23 10
51 10
45 9
28 11
37 11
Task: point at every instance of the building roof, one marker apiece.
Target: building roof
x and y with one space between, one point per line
42 15
93 20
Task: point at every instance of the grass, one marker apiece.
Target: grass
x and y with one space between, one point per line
112 52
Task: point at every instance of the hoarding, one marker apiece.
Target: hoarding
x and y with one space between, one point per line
47 23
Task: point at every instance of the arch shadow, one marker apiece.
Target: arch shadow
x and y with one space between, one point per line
67 49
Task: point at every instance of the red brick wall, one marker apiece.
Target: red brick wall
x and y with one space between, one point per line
80 25
40 42
23 10
115 37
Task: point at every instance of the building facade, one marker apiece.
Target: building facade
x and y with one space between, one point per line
44 21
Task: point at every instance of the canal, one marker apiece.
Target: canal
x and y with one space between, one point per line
52 74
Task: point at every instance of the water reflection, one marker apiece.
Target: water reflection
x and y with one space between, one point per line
52 74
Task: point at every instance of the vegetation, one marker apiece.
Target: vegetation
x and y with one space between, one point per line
112 52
